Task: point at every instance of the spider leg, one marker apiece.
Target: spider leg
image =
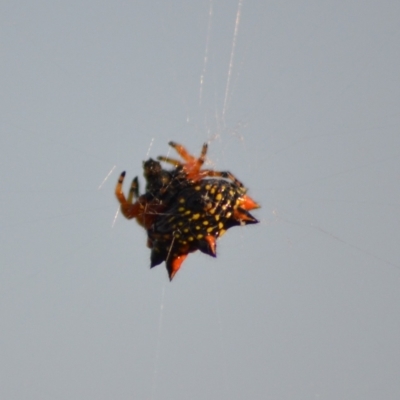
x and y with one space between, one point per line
128 209
192 164
203 154
221 174
181 150
185 155
134 190
118 189
172 161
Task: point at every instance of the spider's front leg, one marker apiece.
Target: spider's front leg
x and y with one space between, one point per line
192 165
181 150
134 190
128 209
145 211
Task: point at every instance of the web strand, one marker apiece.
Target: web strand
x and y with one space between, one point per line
203 73
235 35
105 179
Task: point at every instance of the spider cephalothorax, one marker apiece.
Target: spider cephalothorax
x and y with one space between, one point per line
184 210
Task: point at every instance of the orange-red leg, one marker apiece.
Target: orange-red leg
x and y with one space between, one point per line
192 164
128 209
144 211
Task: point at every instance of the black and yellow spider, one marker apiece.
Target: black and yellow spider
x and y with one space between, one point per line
185 209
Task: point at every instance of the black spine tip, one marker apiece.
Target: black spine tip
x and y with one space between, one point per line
123 174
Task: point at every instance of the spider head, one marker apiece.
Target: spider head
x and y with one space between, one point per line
151 169
157 179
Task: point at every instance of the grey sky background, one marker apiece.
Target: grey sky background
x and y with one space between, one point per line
304 305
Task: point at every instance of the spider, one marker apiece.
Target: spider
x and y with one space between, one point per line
184 211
